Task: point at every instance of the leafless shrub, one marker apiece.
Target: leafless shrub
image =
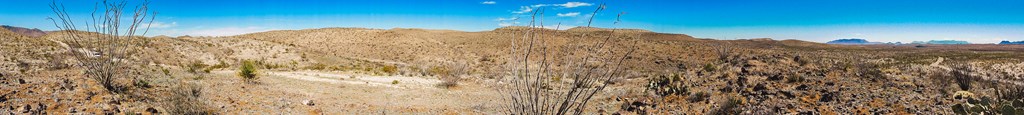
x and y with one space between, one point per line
870 71
107 41
533 63
57 61
1011 92
961 73
724 51
727 108
450 77
186 99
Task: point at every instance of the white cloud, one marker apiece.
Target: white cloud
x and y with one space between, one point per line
570 14
526 9
158 24
227 31
523 9
488 2
507 19
574 4
507 23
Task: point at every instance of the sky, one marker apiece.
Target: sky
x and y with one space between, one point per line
976 21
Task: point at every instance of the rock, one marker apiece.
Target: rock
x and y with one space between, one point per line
308 102
963 95
23 109
152 110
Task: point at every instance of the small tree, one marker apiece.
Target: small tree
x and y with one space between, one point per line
247 71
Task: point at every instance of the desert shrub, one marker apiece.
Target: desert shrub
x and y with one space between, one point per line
709 67
57 61
727 108
317 66
394 82
195 67
142 83
698 97
961 73
166 71
389 69
186 99
870 71
795 78
724 51
247 71
665 85
220 64
438 71
449 77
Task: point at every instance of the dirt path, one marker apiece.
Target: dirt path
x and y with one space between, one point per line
345 93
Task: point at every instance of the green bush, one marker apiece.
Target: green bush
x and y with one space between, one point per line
195 67
390 69
248 70
709 67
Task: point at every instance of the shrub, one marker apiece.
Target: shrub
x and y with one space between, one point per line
961 73
247 71
389 69
869 71
665 85
709 67
698 97
186 99
394 82
450 75
195 67
727 108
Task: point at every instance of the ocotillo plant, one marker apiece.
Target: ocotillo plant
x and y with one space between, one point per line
558 79
107 42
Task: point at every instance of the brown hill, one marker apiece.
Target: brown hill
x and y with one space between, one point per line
25 31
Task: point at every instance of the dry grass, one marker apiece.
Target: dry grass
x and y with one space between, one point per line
186 99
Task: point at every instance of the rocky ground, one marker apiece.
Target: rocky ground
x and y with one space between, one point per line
366 71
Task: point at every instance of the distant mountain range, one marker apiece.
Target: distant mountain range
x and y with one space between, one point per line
25 31
857 41
852 41
941 42
1012 42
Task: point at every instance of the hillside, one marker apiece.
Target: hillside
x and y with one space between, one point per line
25 31
359 70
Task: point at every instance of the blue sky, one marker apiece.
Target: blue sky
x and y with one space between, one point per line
981 21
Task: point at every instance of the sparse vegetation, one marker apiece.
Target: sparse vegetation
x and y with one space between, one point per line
963 78
389 69
728 107
449 77
665 85
196 67
186 99
247 71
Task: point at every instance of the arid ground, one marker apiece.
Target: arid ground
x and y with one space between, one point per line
403 71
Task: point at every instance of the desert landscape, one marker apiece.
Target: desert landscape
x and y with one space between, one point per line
507 70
